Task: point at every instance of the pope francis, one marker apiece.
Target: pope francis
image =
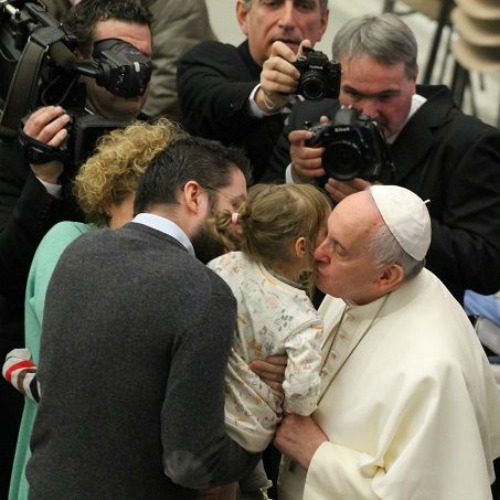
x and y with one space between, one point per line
409 406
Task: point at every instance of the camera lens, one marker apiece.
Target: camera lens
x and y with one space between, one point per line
342 160
312 86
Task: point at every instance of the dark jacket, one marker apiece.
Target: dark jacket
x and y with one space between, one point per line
27 212
453 160
214 81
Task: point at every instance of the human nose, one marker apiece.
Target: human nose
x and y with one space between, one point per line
368 107
287 16
320 253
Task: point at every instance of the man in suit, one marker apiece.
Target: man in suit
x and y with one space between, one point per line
439 153
239 95
36 194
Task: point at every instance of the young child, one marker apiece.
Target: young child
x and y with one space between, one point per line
277 229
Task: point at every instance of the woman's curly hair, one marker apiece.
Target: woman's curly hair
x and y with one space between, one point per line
112 173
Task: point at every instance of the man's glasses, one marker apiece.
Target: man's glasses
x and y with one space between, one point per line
235 201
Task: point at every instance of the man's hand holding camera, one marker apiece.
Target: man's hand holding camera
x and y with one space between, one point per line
279 77
47 125
351 151
306 161
338 190
307 165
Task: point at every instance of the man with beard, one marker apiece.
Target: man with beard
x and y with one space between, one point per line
135 342
439 152
241 95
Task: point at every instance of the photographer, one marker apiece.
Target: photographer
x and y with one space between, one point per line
439 153
35 196
176 26
233 94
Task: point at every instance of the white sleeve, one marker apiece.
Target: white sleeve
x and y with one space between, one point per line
302 380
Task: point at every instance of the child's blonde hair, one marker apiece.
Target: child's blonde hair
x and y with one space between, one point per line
271 218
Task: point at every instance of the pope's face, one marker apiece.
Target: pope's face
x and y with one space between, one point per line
289 21
381 92
345 265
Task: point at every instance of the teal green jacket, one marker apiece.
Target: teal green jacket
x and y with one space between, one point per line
46 257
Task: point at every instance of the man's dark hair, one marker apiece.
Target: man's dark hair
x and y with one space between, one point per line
83 17
192 159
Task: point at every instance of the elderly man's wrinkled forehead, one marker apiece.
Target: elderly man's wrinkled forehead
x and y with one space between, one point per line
355 218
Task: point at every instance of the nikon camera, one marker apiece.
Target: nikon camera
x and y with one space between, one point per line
354 147
319 77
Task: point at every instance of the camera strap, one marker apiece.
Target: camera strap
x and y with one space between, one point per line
19 97
34 151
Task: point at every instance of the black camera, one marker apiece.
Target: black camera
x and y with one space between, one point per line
354 147
120 68
319 77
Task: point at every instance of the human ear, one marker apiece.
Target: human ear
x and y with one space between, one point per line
192 194
324 22
241 15
391 277
300 247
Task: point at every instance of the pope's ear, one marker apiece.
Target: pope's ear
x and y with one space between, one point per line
391 276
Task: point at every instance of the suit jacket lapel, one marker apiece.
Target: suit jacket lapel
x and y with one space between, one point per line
417 137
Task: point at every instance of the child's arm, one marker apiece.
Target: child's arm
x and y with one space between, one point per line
302 376
20 371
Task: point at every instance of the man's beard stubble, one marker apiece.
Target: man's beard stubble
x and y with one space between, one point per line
206 247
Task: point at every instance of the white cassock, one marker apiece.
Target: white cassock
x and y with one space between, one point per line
409 403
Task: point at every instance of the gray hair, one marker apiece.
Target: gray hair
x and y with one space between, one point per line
384 37
387 250
322 3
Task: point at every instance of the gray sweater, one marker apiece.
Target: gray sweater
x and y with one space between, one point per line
134 349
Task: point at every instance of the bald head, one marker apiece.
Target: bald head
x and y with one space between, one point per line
359 214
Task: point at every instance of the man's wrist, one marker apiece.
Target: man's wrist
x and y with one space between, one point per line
268 104
53 188
297 177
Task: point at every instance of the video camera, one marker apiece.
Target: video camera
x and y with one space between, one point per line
38 67
354 147
319 77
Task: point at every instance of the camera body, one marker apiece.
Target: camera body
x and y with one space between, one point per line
354 147
319 77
